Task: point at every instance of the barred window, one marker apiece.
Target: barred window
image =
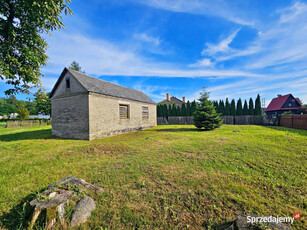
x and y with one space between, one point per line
123 111
145 113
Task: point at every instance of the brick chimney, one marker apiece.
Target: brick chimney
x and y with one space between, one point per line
168 97
279 95
183 99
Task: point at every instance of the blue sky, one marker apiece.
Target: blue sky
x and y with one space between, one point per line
235 48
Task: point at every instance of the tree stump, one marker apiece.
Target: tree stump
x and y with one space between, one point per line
58 196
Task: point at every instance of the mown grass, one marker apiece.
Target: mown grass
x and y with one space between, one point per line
169 177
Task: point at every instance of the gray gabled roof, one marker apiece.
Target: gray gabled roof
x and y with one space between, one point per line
96 85
172 101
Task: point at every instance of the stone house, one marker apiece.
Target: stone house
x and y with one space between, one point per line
84 107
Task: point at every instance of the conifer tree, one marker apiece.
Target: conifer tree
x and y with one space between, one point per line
178 111
193 106
251 107
216 105
76 66
258 109
162 113
161 110
239 107
227 107
222 107
174 110
233 108
205 115
245 108
183 110
217 109
170 110
189 113
165 111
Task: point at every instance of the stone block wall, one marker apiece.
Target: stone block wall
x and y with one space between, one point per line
104 117
70 116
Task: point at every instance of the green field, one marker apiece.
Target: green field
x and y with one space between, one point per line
169 177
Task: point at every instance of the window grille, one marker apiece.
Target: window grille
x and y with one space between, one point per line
145 113
123 111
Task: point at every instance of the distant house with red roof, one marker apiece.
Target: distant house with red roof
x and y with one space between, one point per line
282 104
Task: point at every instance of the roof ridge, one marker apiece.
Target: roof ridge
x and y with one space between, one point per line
94 84
69 69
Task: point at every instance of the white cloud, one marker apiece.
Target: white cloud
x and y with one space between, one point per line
156 92
48 82
206 62
216 50
238 53
284 43
147 38
100 57
216 8
290 13
222 46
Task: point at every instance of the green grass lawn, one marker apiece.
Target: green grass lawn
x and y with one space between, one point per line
166 177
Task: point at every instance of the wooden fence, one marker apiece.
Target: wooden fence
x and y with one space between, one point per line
26 123
297 121
229 120
175 121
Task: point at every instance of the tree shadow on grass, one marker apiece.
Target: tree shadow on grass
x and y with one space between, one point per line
177 130
20 215
301 132
28 135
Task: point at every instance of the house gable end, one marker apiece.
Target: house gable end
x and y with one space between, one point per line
291 102
60 88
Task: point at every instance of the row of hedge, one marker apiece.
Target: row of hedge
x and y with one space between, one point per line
18 119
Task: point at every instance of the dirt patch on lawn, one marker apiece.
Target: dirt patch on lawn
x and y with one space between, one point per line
109 150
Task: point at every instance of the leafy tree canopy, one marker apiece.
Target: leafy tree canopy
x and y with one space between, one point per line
23 112
40 104
43 102
22 47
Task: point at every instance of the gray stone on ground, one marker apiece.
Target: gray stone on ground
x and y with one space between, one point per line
82 211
